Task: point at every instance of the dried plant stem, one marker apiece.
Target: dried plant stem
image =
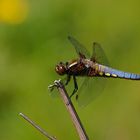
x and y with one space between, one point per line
74 116
37 127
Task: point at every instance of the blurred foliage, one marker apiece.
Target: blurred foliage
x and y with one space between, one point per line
33 39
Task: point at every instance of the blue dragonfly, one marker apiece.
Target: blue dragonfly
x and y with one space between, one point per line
93 68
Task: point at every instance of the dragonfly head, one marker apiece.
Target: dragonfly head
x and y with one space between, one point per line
60 68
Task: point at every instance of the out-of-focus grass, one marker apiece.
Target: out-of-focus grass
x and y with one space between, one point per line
30 49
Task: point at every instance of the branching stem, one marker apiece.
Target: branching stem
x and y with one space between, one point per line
37 127
70 107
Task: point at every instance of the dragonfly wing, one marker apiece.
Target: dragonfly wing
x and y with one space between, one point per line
98 54
90 89
54 93
93 86
80 49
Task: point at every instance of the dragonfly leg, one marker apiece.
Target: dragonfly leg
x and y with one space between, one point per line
68 76
75 86
68 79
67 64
77 97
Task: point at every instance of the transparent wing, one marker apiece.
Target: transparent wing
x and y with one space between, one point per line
54 93
80 49
98 54
92 87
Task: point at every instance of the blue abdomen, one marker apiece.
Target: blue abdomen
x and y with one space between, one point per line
117 73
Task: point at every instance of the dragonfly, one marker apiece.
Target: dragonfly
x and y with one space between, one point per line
93 68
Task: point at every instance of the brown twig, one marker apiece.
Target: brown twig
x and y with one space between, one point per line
74 116
37 127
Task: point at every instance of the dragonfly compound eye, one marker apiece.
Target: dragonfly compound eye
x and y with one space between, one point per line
60 69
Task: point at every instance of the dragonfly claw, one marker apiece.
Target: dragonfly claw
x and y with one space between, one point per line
56 84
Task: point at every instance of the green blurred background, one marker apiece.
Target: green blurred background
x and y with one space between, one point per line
33 39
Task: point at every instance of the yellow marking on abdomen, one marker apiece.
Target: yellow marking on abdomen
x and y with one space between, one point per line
114 75
101 73
107 74
96 68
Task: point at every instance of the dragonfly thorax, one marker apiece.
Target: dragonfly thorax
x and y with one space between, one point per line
87 62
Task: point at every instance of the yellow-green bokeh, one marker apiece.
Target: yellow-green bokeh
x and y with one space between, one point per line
13 11
33 38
